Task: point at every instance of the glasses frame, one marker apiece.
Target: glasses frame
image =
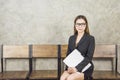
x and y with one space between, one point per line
80 24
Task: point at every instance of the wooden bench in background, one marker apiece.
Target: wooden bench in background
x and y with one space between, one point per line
102 51
14 52
45 52
32 52
106 52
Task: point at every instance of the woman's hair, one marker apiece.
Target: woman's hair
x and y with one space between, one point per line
84 18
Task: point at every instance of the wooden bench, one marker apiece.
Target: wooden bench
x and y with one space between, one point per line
106 52
102 51
14 52
33 52
45 52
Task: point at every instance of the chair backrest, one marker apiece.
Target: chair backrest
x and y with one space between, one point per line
15 51
105 51
45 51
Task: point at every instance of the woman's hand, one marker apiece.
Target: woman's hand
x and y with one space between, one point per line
72 70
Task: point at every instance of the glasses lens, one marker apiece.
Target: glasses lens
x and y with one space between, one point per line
80 24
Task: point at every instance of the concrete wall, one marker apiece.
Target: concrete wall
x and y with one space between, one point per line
51 21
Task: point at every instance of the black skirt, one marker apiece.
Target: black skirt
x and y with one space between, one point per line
88 73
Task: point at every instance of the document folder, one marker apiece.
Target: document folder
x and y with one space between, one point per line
74 58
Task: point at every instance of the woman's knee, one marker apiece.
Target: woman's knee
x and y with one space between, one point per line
76 76
70 78
73 78
64 75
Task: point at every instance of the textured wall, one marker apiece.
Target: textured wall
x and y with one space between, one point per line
51 21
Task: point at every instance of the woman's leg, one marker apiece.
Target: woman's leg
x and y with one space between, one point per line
76 76
64 75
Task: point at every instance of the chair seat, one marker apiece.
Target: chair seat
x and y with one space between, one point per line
43 74
14 75
105 75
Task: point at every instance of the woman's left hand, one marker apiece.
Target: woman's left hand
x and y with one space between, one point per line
72 70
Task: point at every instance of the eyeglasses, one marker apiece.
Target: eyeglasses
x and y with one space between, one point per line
80 24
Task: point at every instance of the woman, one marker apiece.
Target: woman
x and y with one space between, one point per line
85 43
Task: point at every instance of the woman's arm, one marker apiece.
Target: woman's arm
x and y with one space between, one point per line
88 56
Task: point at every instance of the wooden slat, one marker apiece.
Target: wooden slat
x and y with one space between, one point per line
44 74
64 50
14 75
104 51
15 51
45 51
106 75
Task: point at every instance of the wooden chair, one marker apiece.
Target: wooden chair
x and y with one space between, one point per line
106 52
14 52
45 52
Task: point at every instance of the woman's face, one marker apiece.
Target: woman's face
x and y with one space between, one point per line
80 25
